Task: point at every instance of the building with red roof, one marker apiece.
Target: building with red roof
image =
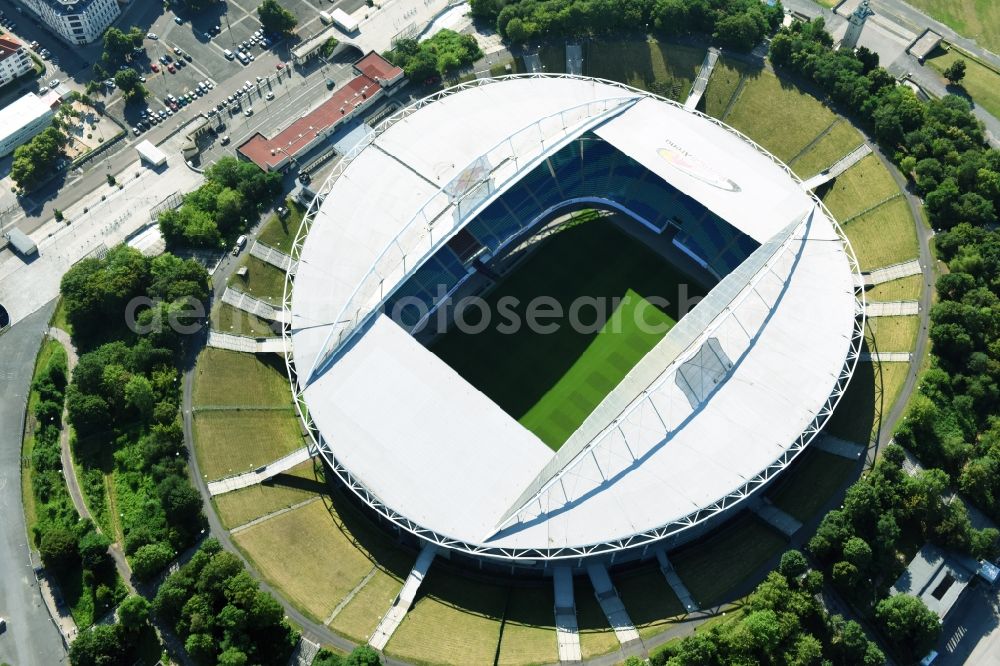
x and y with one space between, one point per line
375 75
14 59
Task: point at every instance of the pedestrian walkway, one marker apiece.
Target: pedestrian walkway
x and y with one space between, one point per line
244 301
886 357
701 82
839 447
777 518
838 168
574 59
391 620
893 272
892 308
567 629
242 343
675 582
262 473
611 604
533 63
273 256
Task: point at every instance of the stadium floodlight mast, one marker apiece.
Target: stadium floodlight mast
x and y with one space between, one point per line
783 247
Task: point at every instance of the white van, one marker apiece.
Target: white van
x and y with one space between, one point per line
229 54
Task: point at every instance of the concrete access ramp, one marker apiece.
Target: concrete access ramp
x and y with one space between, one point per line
394 616
838 168
567 628
611 604
701 82
262 473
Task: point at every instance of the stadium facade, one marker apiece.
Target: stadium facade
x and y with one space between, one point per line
722 404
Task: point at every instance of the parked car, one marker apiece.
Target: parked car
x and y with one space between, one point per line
240 244
225 140
151 35
53 83
178 20
248 112
171 69
269 95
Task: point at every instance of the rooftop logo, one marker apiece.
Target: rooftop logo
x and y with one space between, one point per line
684 161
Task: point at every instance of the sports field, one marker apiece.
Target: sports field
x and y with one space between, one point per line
551 381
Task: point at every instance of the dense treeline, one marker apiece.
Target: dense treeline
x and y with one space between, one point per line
442 54
71 549
123 398
118 642
233 195
782 622
221 613
739 24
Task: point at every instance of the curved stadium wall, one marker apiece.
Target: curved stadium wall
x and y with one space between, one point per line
495 233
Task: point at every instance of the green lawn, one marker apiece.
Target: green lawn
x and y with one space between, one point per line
976 19
981 82
262 280
455 620
859 188
241 506
596 635
571 371
884 236
280 233
722 85
811 482
837 143
778 116
903 289
227 319
529 635
714 569
358 619
233 441
233 379
855 416
894 334
649 65
648 599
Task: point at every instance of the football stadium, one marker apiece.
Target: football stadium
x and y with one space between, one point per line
547 319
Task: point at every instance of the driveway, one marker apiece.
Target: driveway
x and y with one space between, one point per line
30 638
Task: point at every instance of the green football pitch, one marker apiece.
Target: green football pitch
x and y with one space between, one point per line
551 381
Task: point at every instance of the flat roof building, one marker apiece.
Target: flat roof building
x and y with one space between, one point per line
936 578
23 119
14 60
76 21
375 74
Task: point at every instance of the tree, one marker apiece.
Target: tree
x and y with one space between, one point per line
275 18
119 45
128 81
149 560
93 547
201 647
845 575
139 395
101 645
858 552
35 160
908 623
232 657
363 655
133 613
955 72
739 31
793 564
58 547
326 657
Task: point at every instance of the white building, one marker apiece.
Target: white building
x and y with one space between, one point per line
21 120
14 60
76 21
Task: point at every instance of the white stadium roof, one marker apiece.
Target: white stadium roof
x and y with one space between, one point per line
726 400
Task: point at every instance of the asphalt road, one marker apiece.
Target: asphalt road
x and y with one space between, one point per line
31 637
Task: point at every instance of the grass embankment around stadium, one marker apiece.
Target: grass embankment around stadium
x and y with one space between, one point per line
243 413
551 381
